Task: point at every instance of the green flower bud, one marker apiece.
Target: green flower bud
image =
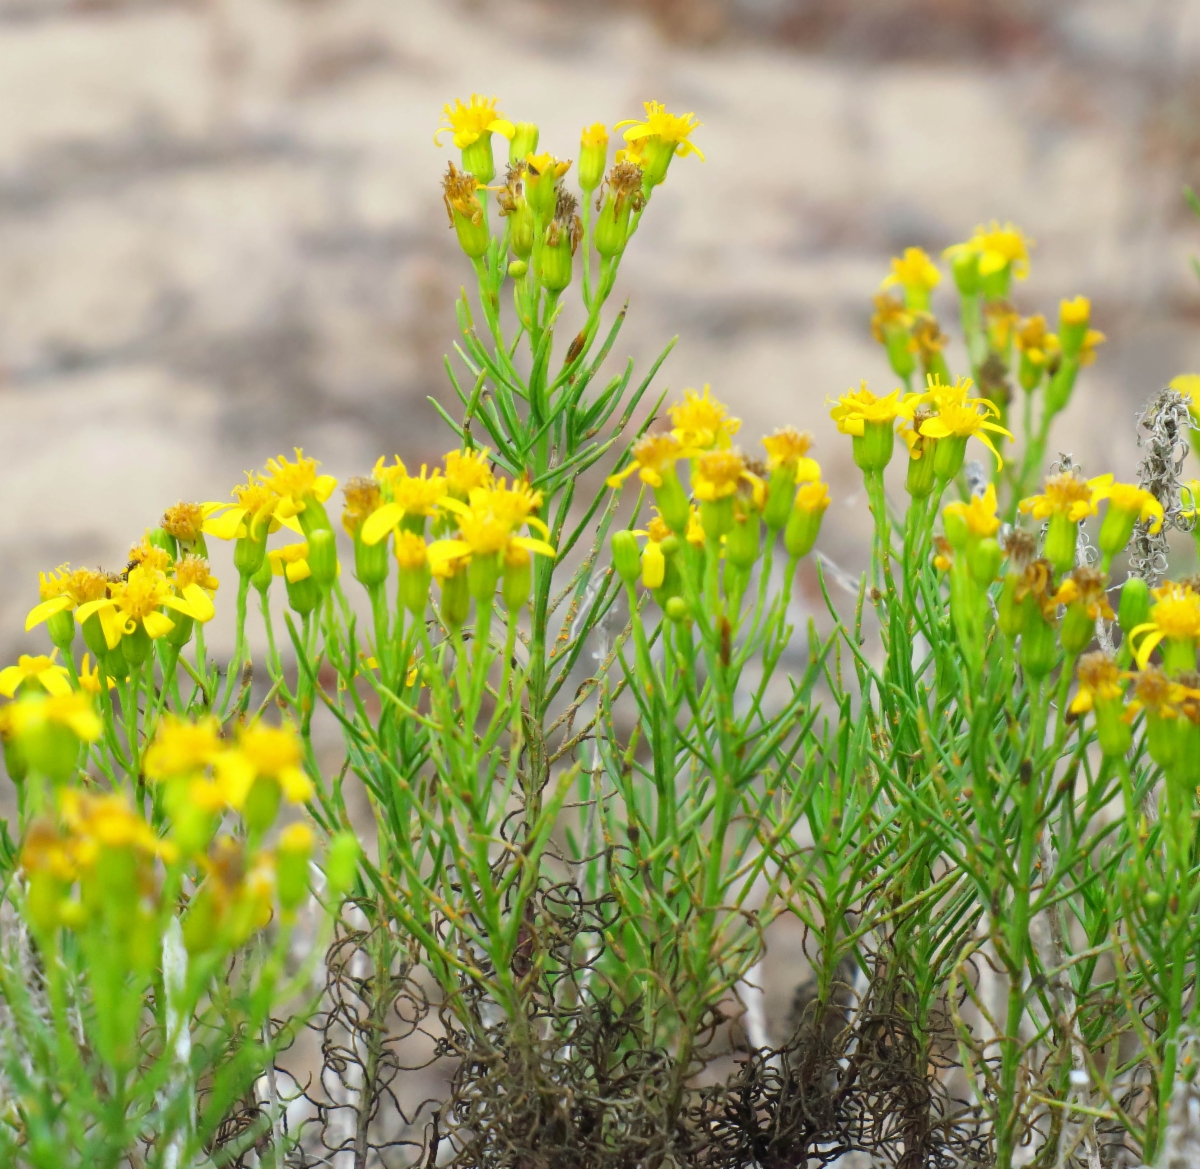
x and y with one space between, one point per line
414 588
1077 630
626 557
554 271
672 502
262 804
1039 649
249 552
983 560
1134 607
1061 536
742 542
477 158
524 141
262 578
898 344
370 562
456 601
61 627
341 863
518 579
593 156
322 557
1113 733
291 865
781 493
677 610
520 234
178 637
303 595
956 529
161 538
137 646
920 480
483 574
965 268
948 456
716 517
517 269
1010 612
873 448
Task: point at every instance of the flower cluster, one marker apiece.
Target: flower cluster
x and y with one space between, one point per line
731 499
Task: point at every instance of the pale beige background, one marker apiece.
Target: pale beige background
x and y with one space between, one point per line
221 231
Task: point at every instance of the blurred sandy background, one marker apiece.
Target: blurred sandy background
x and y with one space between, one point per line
221 231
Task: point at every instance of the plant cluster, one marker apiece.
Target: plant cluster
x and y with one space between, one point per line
598 765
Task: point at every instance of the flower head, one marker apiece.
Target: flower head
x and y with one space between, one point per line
35 672
915 272
700 422
295 483
979 513
415 496
1086 586
184 521
363 498
466 470
1128 497
63 590
256 504
1065 494
67 708
1100 680
998 248
855 408
151 556
468 123
789 448
291 561
1174 617
890 314
182 747
660 124
1035 341
961 417
716 475
653 454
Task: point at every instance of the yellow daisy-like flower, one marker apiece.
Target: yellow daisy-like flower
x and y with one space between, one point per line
970 419
716 475
652 455
855 408
1034 340
411 550
149 555
545 165
297 483
411 495
363 498
1086 586
1099 680
812 498
39 670
998 248
182 747
276 753
256 504
890 314
594 135
468 123
1175 616
71 709
1128 497
466 470
789 447
185 521
666 127
487 524
1066 495
290 561
137 600
700 422
913 271
63 590
89 677
979 513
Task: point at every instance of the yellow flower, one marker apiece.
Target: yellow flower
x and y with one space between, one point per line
673 129
256 504
194 570
998 248
465 470
594 135
1175 616
275 753
969 419
149 556
652 455
538 166
486 525
890 313
789 447
64 590
700 422
1099 679
813 497
979 514
1128 497
89 677
182 747
297 483
716 475
290 561
855 408
68 708
363 497
411 495
468 123
185 521
1077 311
41 671
411 550
1188 384
913 271
1087 351
1086 586
1161 696
137 600
1035 341
1065 495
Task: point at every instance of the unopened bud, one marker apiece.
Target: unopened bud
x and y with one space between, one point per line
291 864
625 556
